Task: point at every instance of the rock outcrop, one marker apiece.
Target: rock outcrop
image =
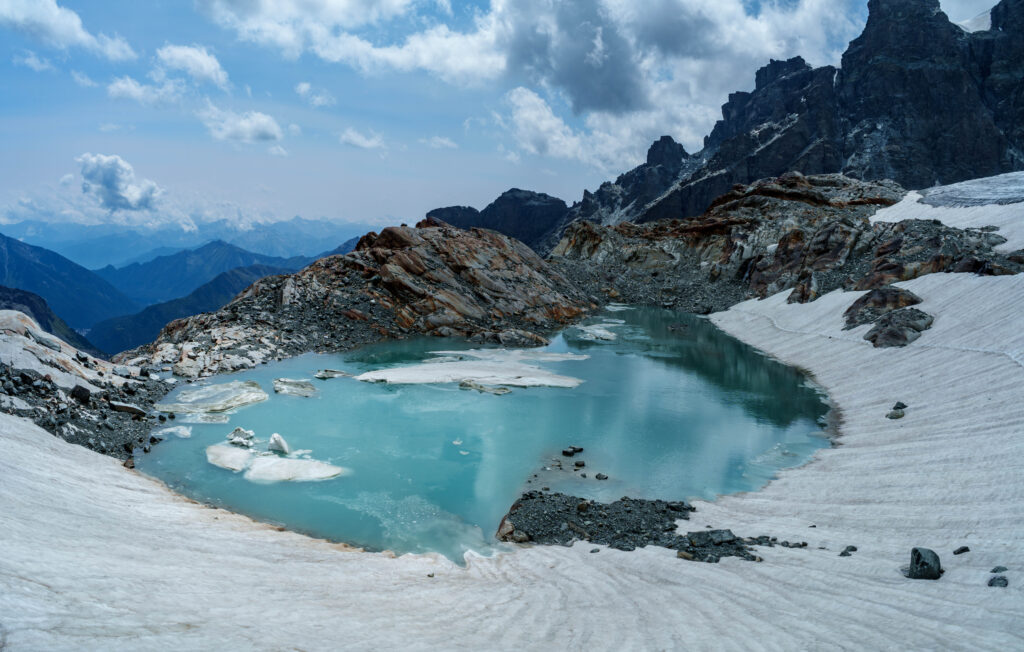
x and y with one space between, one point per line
75 396
807 234
433 279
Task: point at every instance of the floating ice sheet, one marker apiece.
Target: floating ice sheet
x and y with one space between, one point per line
216 398
483 366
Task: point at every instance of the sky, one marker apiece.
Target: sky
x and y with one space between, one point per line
368 111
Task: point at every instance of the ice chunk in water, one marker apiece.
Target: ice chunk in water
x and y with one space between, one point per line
267 469
216 398
294 387
278 444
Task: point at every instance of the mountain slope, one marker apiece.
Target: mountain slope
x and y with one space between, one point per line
78 296
122 333
170 277
35 307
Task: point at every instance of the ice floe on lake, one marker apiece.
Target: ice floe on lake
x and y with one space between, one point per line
216 398
181 432
265 468
294 387
484 367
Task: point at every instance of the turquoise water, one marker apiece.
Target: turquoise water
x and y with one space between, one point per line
673 408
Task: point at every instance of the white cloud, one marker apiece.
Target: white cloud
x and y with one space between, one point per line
195 61
294 130
248 127
168 91
292 24
83 79
29 59
61 28
277 150
315 96
538 130
356 139
111 180
439 142
628 71
67 179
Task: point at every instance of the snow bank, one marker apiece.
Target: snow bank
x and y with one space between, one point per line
992 201
216 398
509 367
146 569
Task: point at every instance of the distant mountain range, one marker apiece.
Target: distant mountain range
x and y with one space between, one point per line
127 332
77 295
917 99
35 307
170 277
100 245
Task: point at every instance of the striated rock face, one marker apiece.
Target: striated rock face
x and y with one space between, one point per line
433 279
808 234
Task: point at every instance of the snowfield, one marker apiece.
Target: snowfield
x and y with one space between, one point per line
95 557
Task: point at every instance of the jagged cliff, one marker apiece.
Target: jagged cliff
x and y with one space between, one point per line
917 100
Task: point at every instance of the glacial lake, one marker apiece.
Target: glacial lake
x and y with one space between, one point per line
670 408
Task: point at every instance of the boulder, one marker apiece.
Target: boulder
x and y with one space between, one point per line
128 408
924 565
899 328
876 303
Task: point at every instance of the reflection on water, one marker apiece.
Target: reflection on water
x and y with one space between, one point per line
670 408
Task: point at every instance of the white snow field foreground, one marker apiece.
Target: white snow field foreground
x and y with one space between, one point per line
97 557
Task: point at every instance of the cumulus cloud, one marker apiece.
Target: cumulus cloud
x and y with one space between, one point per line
61 28
277 150
31 60
355 138
625 70
439 142
195 61
248 127
83 79
293 24
538 130
315 96
111 180
168 91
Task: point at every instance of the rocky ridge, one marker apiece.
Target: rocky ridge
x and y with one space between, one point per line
76 396
806 234
433 279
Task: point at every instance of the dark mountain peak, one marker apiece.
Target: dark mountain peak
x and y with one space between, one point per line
1008 15
777 69
667 152
520 196
911 30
